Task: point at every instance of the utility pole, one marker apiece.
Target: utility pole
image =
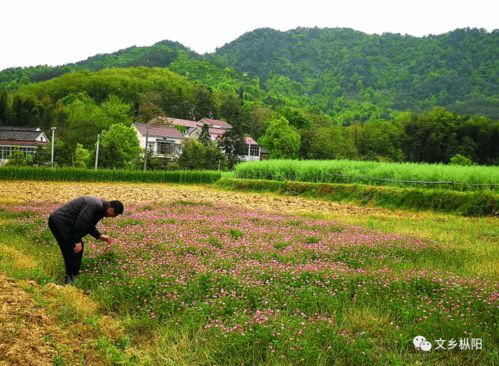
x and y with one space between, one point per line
97 152
53 138
145 150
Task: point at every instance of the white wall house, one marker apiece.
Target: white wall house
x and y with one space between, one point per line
25 139
162 141
252 150
166 136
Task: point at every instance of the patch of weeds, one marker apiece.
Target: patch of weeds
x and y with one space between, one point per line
187 250
294 223
235 233
113 354
58 360
312 240
16 215
191 203
122 342
129 222
335 229
282 245
166 221
215 242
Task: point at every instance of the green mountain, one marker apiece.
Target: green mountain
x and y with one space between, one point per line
350 75
333 69
165 54
161 54
337 92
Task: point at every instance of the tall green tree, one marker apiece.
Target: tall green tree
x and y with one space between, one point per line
3 106
113 110
204 136
82 157
281 140
196 155
333 142
233 145
119 147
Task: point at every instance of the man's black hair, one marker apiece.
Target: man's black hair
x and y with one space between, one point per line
118 206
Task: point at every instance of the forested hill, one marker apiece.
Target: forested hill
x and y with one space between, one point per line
161 54
350 75
166 54
335 68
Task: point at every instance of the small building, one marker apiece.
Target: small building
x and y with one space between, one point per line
25 139
163 141
252 150
166 135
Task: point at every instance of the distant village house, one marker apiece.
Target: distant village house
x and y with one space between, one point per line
24 139
165 135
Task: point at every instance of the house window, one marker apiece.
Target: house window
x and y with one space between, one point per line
242 149
28 151
254 150
166 148
4 152
150 147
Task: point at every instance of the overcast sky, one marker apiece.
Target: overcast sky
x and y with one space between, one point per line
55 32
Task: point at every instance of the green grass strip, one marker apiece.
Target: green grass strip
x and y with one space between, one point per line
78 175
462 203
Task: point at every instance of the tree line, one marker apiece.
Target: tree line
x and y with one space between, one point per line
83 104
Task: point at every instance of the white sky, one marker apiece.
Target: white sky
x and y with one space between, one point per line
55 32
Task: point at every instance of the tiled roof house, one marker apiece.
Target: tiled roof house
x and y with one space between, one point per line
26 139
165 135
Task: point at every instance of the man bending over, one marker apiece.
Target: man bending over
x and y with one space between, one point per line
71 222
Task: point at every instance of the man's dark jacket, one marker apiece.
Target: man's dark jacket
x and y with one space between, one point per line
79 217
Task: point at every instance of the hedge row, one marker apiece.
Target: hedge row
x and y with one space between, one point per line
463 203
72 174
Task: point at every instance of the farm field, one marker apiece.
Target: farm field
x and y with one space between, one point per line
201 276
375 173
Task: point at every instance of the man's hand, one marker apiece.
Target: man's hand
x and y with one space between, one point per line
78 247
106 238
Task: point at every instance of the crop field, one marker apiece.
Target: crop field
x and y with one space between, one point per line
375 173
201 276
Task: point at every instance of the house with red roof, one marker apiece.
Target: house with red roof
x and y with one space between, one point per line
25 139
162 140
164 136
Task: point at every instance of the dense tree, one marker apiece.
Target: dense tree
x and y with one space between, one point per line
281 140
373 73
378 140
119 147
204 136
3 106
333 142
233 145
196 155
82 157
204 104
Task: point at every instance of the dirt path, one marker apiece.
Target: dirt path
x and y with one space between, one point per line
25 329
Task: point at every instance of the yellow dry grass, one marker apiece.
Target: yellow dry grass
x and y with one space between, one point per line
17 259
27 191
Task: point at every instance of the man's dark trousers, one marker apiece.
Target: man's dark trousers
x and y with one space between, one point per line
72 260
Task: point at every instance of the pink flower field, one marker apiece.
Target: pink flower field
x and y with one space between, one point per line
279 286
